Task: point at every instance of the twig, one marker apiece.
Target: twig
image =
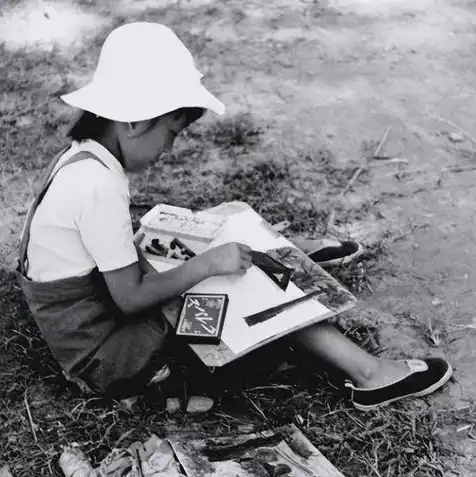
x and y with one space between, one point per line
389 160
421 170
460 129
330 221
464 428
382 142
30 418
255 406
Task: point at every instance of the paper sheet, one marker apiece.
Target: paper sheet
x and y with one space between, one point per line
254 291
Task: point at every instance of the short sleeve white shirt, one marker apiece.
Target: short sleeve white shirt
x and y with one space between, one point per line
83 221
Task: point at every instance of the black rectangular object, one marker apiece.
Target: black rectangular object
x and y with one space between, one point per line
269 313
202 317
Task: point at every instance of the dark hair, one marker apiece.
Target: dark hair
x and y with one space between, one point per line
88 126
193 114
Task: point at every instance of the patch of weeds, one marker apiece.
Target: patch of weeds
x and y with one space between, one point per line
265 186
357 275
325 165
432 332
401 439
275 385
237 131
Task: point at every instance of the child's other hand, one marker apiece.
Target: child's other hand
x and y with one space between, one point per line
228 259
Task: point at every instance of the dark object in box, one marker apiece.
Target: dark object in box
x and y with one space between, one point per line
201 317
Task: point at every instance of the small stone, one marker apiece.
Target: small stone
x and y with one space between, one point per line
172 405
74 463
456 137
24 121
5 472
198 404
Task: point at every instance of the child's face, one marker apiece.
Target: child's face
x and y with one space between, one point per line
142 143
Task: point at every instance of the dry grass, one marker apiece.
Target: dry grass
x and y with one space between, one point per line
280 389
272 386
214 162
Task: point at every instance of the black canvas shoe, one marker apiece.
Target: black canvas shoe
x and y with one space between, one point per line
332 252
424 377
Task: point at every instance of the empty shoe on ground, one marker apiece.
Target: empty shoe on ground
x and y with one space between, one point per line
329 252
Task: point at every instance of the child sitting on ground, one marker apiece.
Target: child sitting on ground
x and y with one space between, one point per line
94 298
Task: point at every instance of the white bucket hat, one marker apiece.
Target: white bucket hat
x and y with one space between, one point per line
144 71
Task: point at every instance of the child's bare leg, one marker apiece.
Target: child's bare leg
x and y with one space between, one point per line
326 342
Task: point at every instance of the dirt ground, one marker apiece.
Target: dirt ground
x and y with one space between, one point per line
332 76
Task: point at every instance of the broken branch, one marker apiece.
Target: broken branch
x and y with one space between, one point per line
30 418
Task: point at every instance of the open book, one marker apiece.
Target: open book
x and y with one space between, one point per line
248 294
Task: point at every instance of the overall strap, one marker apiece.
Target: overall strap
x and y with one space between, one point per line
44 184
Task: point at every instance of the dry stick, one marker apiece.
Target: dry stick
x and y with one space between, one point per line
422 170
255 406
30 418
460 129
330 221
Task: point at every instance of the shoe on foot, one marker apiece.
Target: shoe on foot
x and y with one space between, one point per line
424 377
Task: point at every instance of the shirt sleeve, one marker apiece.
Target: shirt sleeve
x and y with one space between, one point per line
104 222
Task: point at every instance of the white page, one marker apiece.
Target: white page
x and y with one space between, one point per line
250 294
249 228
254 291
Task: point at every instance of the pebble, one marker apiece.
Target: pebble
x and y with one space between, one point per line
456 137
74 463
436 302
172 405
5 472
198 404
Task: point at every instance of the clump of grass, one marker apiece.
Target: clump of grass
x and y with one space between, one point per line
401 439
357 276
273 386
239 131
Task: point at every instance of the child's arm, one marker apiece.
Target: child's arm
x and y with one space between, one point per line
133 291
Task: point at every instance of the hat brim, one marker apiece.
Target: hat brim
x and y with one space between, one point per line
111 104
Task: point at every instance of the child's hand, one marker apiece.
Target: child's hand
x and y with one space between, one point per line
228 259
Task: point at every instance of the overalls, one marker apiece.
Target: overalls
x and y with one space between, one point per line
114 354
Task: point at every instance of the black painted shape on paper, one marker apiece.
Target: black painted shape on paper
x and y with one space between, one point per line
276 271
